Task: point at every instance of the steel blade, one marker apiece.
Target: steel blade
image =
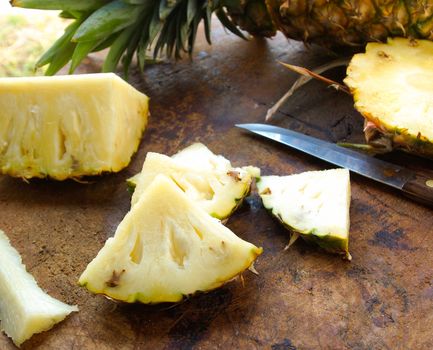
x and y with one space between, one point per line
365 165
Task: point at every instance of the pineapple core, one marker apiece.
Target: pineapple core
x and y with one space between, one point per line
24 308
314 204
167 247
69 126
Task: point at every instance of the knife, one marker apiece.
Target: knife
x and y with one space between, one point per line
415 185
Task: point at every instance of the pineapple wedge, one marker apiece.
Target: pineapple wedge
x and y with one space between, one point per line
166 247
313 204
392 88
69 126
208 179
24 308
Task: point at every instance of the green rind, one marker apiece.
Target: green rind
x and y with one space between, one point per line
401 139
237 204
173 297
330 243
131 183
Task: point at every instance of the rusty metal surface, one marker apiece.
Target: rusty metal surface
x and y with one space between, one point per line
303 298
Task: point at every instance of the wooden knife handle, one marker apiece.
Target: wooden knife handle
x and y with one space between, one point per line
420 188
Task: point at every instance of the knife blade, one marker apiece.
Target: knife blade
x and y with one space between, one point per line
413 184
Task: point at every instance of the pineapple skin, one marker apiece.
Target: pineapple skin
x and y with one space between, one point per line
335 23
329 243
69 126
412 133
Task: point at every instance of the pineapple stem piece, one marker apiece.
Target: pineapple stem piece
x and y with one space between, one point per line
313 74
24 308
306 76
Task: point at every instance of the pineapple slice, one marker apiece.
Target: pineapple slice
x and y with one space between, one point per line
69 126
313 204
166 247
24 308
208 179
392 88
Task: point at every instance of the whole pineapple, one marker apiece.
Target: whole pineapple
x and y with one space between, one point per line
130 27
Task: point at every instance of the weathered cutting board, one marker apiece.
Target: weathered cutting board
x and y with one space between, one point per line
303 297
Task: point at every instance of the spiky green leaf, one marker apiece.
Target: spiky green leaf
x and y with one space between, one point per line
61 58
59 44
139 2
207 24
117 49
228 23
191 11
165 8
106 43
63 5
82 49
107 20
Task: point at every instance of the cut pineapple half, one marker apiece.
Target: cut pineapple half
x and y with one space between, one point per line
24 308
166 247
208 179
392 88
69 126
314 204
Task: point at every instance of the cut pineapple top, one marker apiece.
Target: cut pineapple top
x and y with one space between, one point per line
69 126
392 85
166 247
314 203
206 178
24 308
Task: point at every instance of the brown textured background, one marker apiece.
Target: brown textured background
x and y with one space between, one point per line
303 297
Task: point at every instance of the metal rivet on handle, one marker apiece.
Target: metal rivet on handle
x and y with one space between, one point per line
429 183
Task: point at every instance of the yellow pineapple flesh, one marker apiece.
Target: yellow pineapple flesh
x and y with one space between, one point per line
392 89
165 248
313 204
25 309
205 177
69 126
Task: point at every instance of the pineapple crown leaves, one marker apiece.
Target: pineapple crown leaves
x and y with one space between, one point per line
127 27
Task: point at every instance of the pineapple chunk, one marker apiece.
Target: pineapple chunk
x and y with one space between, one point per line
314 204
24 308
69 126
208 179
166 247
392 87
